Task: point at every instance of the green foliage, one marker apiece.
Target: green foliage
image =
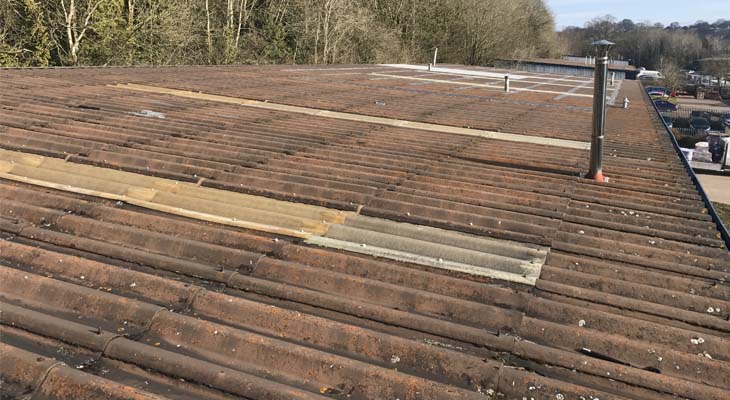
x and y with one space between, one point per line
128 32
107 36
24 39
276 49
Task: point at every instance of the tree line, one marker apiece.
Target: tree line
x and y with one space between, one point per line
171 32
652 45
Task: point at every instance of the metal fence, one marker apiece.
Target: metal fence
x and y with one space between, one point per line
563 69
685 111
585 60
680 133
681 119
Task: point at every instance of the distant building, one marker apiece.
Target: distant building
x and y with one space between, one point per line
707 70
571 65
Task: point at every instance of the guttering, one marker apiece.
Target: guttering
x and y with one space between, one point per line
724 234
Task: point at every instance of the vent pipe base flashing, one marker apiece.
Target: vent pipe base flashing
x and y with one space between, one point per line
598 177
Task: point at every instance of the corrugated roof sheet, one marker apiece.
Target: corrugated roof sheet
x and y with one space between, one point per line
105 295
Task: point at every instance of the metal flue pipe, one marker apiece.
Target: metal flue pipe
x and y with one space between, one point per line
599 110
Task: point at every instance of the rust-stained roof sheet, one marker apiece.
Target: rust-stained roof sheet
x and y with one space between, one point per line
226 245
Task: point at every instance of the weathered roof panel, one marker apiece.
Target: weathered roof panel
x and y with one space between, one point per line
164 246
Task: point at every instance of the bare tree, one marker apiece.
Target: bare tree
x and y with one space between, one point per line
334 20
646 45
130 9
228 31
235 22
208 33
602 27
673 76
78 18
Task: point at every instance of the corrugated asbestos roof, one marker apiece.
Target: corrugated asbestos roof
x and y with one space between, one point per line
204 239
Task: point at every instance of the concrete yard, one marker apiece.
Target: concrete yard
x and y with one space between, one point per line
717 187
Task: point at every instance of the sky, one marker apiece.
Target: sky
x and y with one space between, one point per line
578 12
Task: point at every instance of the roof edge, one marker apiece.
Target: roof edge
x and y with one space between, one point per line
724 234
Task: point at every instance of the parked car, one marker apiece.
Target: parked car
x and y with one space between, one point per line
657 91
663 105
725 93
672 100
726 120
667 120
699 114
699 124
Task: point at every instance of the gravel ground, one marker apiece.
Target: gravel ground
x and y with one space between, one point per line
724 211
